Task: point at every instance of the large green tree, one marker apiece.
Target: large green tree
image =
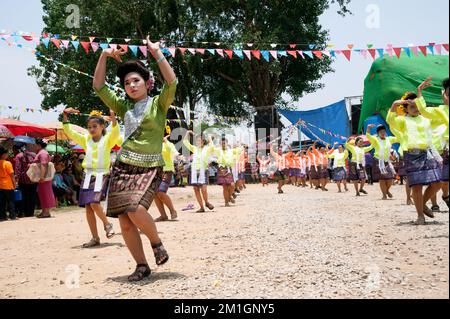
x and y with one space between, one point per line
231 87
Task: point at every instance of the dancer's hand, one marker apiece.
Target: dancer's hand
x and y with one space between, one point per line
116 54
425 84
71 110
153 47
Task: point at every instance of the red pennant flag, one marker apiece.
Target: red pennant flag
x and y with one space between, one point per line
27 37
445 46
398 52
220 52
201 51
86 46
292 46
124 46
423 49
229 53
182 50
347 53
373 53
56 42
293 53
257 54
318 54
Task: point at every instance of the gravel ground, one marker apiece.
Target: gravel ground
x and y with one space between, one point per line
302 244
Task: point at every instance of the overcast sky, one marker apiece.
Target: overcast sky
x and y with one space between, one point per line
401 22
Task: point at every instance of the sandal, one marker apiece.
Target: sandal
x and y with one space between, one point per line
232 201
43 216
142 271
363 191
109 231
161 219
160 253
201 210
94 242
435 209
420 222
210 207
428 212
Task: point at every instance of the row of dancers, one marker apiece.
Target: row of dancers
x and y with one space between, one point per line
143 169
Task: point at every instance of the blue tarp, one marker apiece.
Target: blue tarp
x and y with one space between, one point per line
333 118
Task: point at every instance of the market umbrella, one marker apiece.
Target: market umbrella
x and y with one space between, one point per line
53 148
58 131
23 128
24 139
78 149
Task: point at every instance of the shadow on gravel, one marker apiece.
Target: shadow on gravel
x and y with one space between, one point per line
428 223
156 276
102 245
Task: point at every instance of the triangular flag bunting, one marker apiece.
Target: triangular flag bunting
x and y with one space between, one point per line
85 45
327 53
292 46
220 52
65 43
318 54
74 37
282 53
256 54
94 46
104 46
274 54
398 52
229 53
109 40
266 55
143 49
182 50
415 50
431 47
192 51
407 51
134 49
124 47
301 54
212 51
46 41
201 51
113 46
248 54
380 52
239 53
75 44
91 39
173 51
347 54
309 53
373 53
56 42
438 48
445 46
390 51
293 53
312 46
423 49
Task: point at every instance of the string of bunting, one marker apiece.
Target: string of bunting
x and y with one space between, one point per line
313 51
113 87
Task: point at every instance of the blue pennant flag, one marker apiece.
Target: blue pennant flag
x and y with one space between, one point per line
133 49
312 46
239 53
282 53
104 46
212 51
46 41
75 44
408 51
333 54
265 55
431 47
165 51
309 53
381 52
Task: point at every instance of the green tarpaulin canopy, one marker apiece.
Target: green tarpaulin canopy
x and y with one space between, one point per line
389 78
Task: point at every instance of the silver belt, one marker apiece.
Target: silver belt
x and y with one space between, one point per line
129 156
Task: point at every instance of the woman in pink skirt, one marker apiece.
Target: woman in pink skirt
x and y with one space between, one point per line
44 190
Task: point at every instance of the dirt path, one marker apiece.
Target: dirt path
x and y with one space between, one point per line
302 244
